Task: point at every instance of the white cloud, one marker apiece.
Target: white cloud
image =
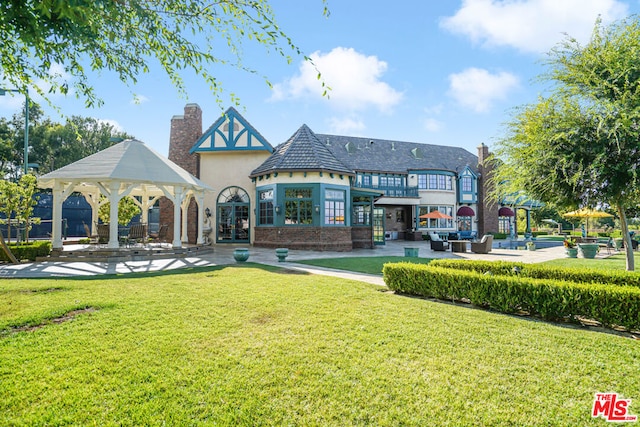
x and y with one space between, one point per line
432 125
354 79
12 101
346 125
531 25
477 89
116 126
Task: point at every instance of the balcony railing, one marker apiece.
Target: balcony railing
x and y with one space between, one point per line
389 191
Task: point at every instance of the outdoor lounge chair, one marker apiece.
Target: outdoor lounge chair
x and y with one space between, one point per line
103 233
160 236
483 246
137 234
437 244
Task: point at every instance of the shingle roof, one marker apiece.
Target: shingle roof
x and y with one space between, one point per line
302 152
127 161
380 155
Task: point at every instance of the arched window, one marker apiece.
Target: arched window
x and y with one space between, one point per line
233 195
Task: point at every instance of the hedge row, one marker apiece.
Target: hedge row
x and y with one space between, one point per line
28 251
550 299
537 271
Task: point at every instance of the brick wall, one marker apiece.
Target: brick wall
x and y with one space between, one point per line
487 206
185 131
362 237
308 238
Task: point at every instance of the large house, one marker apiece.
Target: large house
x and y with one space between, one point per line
327 192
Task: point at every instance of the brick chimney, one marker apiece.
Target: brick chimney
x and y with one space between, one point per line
487 206
185 131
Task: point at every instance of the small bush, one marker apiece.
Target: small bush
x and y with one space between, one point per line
550 299
28 251
499 236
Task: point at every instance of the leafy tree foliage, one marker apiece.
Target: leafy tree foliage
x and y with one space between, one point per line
125 36
9 200
51 145
17 201
580 144
127 209
28 199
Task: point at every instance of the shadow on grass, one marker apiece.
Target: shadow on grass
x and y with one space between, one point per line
161 273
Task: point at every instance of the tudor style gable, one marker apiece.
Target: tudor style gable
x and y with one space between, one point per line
467 186
231 132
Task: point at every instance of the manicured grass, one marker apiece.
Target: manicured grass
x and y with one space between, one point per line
247 345
614 262
369 265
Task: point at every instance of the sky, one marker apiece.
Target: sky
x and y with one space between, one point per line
429 71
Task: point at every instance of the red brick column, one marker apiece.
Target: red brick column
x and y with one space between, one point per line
487 206
185 131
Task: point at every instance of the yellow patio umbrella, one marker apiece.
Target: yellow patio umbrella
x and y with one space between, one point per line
586 214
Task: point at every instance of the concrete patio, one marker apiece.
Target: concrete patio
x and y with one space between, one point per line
223 255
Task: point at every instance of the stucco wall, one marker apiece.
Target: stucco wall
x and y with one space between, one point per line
225 169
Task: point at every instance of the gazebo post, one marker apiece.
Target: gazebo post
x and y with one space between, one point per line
200 200
114 199
56 215
185 217
61 191
177 210
93 199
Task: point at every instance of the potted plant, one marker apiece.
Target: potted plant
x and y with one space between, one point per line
570 248
588 250
531 246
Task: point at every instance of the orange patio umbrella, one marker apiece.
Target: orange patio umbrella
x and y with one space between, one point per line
435 215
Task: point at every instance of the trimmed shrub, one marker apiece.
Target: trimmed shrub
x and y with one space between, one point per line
28 251
499 236
536 271
550 299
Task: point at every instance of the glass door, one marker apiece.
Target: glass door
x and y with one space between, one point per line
378 226
241 221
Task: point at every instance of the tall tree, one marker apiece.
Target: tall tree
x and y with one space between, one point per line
124 36
54 145
580 145
27 200
9 202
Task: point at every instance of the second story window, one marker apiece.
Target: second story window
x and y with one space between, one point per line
467 185
422 182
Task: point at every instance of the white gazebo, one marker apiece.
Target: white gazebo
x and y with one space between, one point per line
129 168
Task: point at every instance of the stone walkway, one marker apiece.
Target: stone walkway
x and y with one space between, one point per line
223 255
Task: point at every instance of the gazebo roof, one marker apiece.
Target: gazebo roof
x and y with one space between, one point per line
130 162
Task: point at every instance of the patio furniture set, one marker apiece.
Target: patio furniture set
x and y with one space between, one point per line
482 246
131 236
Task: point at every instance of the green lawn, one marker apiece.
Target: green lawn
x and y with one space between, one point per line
247 345
369 265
